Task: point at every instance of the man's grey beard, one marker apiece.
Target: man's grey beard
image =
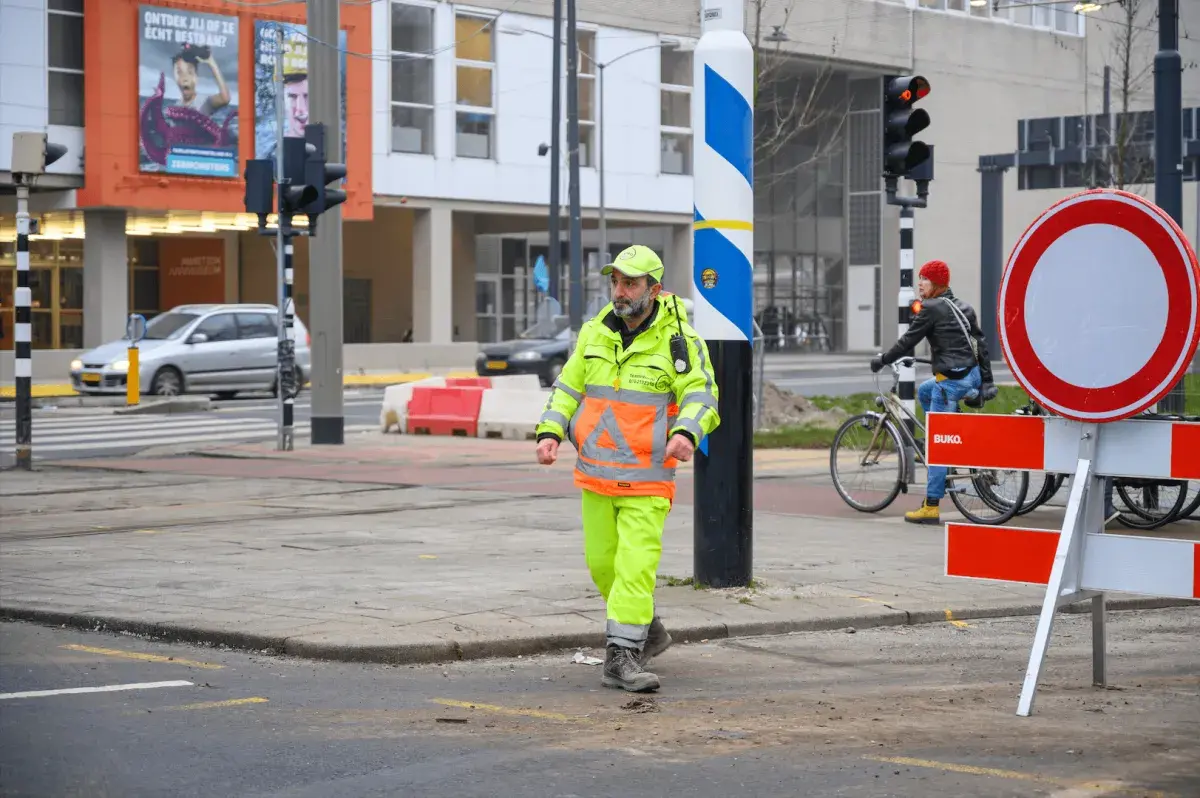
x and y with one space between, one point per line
635 307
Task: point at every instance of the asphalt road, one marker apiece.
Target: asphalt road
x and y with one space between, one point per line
76 429
926 712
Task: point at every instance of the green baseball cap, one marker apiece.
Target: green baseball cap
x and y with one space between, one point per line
636 261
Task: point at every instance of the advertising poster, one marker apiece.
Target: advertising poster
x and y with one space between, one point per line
187 92
296 46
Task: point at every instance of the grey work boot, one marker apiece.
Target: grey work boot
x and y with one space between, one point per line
622 670
658 640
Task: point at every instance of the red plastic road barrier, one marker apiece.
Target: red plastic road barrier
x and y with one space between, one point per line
444 411
468 382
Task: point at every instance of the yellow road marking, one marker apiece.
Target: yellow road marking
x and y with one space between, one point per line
499 710
1077 788
427 556
868 598
112 652
959 624
232 702
725 224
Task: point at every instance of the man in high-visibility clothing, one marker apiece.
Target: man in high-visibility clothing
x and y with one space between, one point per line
635 398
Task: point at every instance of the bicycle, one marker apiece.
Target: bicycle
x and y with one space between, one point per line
889 434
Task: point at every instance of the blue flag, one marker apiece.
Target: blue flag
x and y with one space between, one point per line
541 275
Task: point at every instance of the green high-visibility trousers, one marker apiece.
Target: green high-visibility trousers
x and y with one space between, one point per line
622 545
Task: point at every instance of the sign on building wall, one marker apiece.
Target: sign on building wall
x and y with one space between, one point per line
296 46
191 270
187 92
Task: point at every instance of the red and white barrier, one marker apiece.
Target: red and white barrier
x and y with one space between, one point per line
1095 356
1148 449
506 406
1122 563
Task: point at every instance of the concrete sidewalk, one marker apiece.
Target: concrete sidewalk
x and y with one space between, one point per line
404 550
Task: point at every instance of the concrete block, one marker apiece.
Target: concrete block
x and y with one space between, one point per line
516 382
394 410
511 414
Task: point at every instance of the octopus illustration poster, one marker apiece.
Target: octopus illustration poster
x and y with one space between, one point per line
296 45
187 92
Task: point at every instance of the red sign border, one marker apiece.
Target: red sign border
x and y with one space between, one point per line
1164 238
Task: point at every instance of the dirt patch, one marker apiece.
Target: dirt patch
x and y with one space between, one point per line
782 408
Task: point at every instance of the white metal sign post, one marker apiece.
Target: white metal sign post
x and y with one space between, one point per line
1099 313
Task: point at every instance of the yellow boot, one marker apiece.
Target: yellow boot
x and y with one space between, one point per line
926 514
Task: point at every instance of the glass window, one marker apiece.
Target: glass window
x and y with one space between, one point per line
145 290
675 111
70 288
221 327
475 118
412 78
256 325
168 325
64 59
587 96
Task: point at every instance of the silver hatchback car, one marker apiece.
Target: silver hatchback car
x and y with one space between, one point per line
208 349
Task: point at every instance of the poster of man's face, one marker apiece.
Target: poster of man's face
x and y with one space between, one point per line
296 47
187 92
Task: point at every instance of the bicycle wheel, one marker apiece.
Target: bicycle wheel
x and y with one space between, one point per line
1187 513
1001 492
1047 490
1149 507
870 443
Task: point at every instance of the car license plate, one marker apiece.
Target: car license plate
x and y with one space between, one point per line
91 379
496 365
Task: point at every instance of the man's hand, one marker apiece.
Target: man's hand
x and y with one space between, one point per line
876 363
547 451
989 391
680 447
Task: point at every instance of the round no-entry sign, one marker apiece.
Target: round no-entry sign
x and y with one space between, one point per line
1100 306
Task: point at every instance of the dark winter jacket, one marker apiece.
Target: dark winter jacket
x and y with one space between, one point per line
950 350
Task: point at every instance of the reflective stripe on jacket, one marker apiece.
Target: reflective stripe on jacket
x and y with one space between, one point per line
619 407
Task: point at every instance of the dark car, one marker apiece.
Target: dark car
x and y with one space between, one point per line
540 350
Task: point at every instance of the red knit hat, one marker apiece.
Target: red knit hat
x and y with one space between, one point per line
936 272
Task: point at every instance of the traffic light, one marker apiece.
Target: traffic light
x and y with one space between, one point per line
901 155
319 173
260 186
33 152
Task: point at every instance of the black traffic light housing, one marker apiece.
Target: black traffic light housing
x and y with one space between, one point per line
260 188
319 173
901 154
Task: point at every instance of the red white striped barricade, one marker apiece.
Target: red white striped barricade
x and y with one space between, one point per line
1099 314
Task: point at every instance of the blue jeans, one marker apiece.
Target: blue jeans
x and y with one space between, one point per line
943 397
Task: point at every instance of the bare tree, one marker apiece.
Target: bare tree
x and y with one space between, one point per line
792 102
1130 64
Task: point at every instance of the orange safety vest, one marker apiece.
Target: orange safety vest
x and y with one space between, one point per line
621 436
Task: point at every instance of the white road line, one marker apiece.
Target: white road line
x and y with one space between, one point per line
110 688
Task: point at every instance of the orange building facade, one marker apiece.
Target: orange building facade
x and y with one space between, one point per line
175 99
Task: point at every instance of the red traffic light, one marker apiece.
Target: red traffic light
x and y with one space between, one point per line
907 89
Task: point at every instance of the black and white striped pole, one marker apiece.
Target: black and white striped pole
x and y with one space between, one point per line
31 154
907 389
23 336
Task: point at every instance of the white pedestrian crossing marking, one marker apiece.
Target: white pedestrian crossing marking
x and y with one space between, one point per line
91 432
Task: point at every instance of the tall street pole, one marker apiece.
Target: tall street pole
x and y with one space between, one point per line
325 248
723 272
283 263
554 244
23 334
1168 139
601 165
576 250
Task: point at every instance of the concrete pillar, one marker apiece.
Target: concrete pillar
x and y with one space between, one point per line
677 271
464 277
105 276
433 276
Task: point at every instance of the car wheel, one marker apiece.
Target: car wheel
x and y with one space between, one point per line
167 382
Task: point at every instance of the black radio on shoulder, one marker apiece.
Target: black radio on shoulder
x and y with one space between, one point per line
679 350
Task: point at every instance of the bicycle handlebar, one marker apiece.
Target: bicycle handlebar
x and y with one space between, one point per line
908 361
